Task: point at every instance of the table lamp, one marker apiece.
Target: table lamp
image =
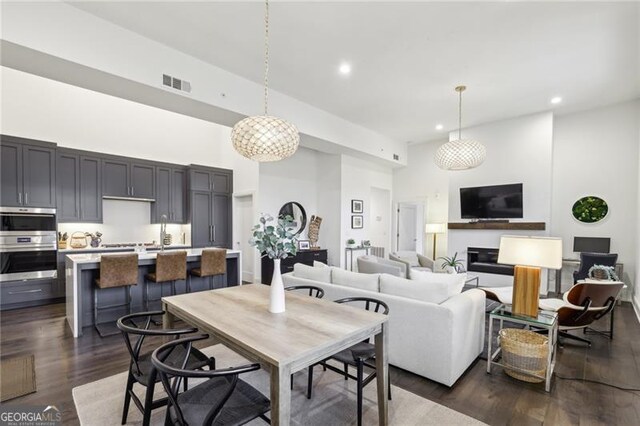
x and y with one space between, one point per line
435 229
529 254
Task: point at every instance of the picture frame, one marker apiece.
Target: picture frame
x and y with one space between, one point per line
304 244
357 222
357 206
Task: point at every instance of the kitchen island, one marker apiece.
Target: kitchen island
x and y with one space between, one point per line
81 270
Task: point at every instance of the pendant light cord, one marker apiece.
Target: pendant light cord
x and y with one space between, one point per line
266 56
460 115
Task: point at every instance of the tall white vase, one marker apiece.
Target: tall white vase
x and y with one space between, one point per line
276 302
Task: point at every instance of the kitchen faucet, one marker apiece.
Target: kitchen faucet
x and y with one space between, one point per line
163 230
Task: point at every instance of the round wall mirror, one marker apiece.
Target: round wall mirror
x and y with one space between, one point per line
590 209
295 210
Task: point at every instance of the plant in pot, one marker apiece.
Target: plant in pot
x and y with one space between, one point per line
276 241
452 264
601 272
351 243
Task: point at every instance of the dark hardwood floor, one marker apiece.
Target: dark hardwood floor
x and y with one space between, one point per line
63 362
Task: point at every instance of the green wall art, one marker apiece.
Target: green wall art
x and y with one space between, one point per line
590 209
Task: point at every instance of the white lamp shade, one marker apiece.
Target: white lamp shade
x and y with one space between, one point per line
265 138
435 228
543 252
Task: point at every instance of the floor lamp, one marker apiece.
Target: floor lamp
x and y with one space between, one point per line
435 229
529 254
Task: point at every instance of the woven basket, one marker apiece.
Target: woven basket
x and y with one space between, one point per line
526 351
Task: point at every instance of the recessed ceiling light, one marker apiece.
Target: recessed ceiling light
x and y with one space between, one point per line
556 100
439 127
345 68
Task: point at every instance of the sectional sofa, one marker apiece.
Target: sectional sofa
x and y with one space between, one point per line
435 330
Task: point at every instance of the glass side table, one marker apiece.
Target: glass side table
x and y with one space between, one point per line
545 320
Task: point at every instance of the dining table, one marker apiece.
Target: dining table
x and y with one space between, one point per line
309 331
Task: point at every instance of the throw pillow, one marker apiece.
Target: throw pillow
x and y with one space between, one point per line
417 290
317 264
454 282
301 270
356 280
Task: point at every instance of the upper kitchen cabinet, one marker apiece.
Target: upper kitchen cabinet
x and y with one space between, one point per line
79 192
123 178
171 188
28 172
210 207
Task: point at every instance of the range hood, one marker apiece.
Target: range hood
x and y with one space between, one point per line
112 197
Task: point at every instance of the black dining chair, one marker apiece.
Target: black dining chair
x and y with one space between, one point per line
141 370
223 399
359 355
587 260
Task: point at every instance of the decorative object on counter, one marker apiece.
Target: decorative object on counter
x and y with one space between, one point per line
276 242
590 209
265 137
314 231
297 213
95 238
78 240
140 248
357 222
62 240
365 243
351 243
357 206
602 272
167 239
303 245
452 264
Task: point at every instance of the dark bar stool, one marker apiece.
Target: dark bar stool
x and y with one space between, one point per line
213 262
116 270
170 267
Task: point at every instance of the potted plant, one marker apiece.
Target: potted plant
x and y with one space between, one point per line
452 264
601 272
276 241
351 243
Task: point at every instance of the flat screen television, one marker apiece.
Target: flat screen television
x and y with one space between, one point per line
492 202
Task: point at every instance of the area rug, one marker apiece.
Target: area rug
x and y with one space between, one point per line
333 402
17 376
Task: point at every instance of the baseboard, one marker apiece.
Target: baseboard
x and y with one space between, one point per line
636 308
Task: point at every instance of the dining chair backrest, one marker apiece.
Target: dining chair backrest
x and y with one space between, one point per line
370 304
312 290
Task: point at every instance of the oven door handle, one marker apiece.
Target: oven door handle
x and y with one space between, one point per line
17 248
29 215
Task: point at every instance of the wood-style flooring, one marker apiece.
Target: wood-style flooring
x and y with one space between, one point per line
63 362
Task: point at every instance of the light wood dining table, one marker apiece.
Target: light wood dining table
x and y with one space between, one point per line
309 331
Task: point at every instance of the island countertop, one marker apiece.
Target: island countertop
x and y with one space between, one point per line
81 269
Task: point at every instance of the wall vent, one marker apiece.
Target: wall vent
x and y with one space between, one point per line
176 83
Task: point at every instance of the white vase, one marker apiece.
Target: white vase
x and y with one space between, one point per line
276 295
451 270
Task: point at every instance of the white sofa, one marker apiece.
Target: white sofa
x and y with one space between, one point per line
378 265
434 330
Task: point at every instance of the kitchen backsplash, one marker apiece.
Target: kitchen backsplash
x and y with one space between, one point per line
127 222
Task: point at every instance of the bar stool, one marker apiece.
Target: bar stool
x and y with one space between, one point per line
116 270
212 263
170 267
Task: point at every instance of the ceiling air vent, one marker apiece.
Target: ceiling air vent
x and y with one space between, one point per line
176 83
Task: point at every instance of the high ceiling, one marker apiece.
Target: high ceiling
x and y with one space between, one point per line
407 57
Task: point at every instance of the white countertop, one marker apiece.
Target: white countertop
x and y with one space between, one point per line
89 249
79 259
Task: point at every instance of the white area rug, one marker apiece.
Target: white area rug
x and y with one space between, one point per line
333 402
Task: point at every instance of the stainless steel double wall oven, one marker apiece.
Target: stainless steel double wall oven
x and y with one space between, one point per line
28 243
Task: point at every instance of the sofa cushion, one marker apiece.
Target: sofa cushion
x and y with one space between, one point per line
454 282
317 264
434 292
301 270
353 279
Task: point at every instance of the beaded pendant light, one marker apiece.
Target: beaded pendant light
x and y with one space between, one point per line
265 137
460 154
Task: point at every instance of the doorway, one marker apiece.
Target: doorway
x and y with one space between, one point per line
409 227
243 223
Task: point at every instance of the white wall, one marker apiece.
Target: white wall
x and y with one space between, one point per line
636 289
595 152
424 183
329 178
519 150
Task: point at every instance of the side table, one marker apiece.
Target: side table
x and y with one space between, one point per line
547 320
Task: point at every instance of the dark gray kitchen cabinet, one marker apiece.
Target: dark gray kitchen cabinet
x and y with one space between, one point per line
170 195
28 172
79 187
210 206
68 182
123 178
90 189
